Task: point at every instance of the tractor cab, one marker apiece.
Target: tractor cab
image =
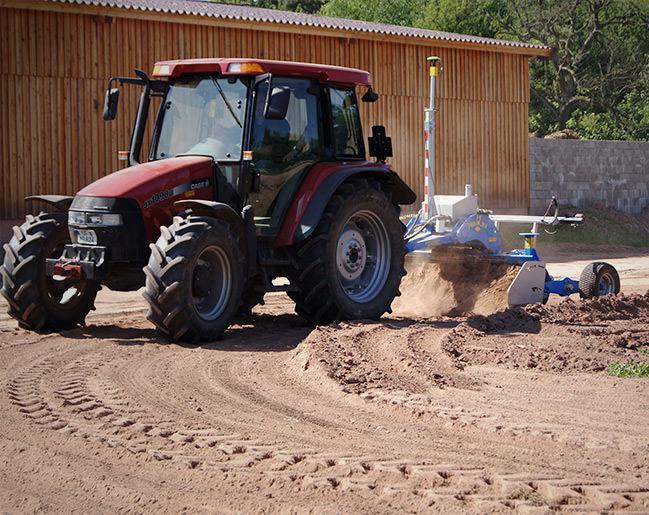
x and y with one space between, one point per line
264 124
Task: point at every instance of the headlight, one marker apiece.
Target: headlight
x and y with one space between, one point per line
98 219
76 218
104 219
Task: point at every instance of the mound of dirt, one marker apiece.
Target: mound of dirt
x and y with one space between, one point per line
398 359
593 311
366 356
567 337
453 288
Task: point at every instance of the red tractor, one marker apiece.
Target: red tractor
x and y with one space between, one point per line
256 170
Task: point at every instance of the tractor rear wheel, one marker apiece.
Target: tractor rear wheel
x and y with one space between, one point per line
352 264
35 300
194 279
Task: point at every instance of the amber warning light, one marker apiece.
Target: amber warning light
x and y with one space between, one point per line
161 70
245 68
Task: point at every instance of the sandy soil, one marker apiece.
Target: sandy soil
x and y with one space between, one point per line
501 412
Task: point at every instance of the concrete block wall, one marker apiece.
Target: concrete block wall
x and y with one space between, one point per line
584 173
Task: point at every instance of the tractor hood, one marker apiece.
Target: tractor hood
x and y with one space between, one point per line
155 186
153 182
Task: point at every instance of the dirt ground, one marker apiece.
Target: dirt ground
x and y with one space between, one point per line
511 411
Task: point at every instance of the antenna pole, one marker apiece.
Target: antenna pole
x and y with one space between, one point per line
428 205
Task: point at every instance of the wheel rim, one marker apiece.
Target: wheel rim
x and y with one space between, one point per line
211 283
606 284
363 256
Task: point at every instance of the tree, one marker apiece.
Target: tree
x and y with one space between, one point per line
394 12
598 81
601 56
484 18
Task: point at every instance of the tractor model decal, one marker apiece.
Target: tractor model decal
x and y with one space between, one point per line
178 190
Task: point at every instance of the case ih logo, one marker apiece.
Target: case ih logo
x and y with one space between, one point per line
178 190
201 183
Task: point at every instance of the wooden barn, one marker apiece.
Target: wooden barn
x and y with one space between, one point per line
57 55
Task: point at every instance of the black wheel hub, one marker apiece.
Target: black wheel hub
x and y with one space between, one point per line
201 283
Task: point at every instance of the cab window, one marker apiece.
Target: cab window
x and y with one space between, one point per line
279 144
203 115
283 150
348 136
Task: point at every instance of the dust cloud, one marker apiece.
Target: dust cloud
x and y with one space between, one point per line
453 287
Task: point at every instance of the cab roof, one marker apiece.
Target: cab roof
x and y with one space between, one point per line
322 72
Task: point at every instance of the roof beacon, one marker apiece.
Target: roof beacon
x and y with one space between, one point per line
245 68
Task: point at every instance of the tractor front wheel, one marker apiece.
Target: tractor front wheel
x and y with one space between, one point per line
194 279
36 300
352 264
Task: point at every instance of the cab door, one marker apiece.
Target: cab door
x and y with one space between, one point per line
283 150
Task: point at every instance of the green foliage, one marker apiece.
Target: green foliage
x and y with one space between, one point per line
394 12
477 17
299 6
627 120
597 83
631 368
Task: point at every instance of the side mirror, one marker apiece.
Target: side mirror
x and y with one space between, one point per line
370 95
110 104
277 103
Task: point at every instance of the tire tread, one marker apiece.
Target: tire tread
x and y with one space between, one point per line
22 279
315 300
165 290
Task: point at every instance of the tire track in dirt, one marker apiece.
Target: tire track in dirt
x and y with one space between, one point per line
64 397
292 432
84 414
416 370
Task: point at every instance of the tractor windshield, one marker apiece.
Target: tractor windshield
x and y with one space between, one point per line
203 115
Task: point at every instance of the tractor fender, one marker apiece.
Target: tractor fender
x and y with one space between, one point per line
214 209
243 224
299 223
59 202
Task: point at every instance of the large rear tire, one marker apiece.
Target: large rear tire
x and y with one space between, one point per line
352 264
35 300
194 279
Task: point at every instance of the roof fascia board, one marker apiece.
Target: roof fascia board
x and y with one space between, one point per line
118 12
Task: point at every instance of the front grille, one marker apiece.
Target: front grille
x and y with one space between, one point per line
124 243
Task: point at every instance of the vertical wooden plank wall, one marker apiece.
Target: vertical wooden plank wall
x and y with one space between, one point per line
55 67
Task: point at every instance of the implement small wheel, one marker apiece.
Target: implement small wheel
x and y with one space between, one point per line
598 279
194 279
37 301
